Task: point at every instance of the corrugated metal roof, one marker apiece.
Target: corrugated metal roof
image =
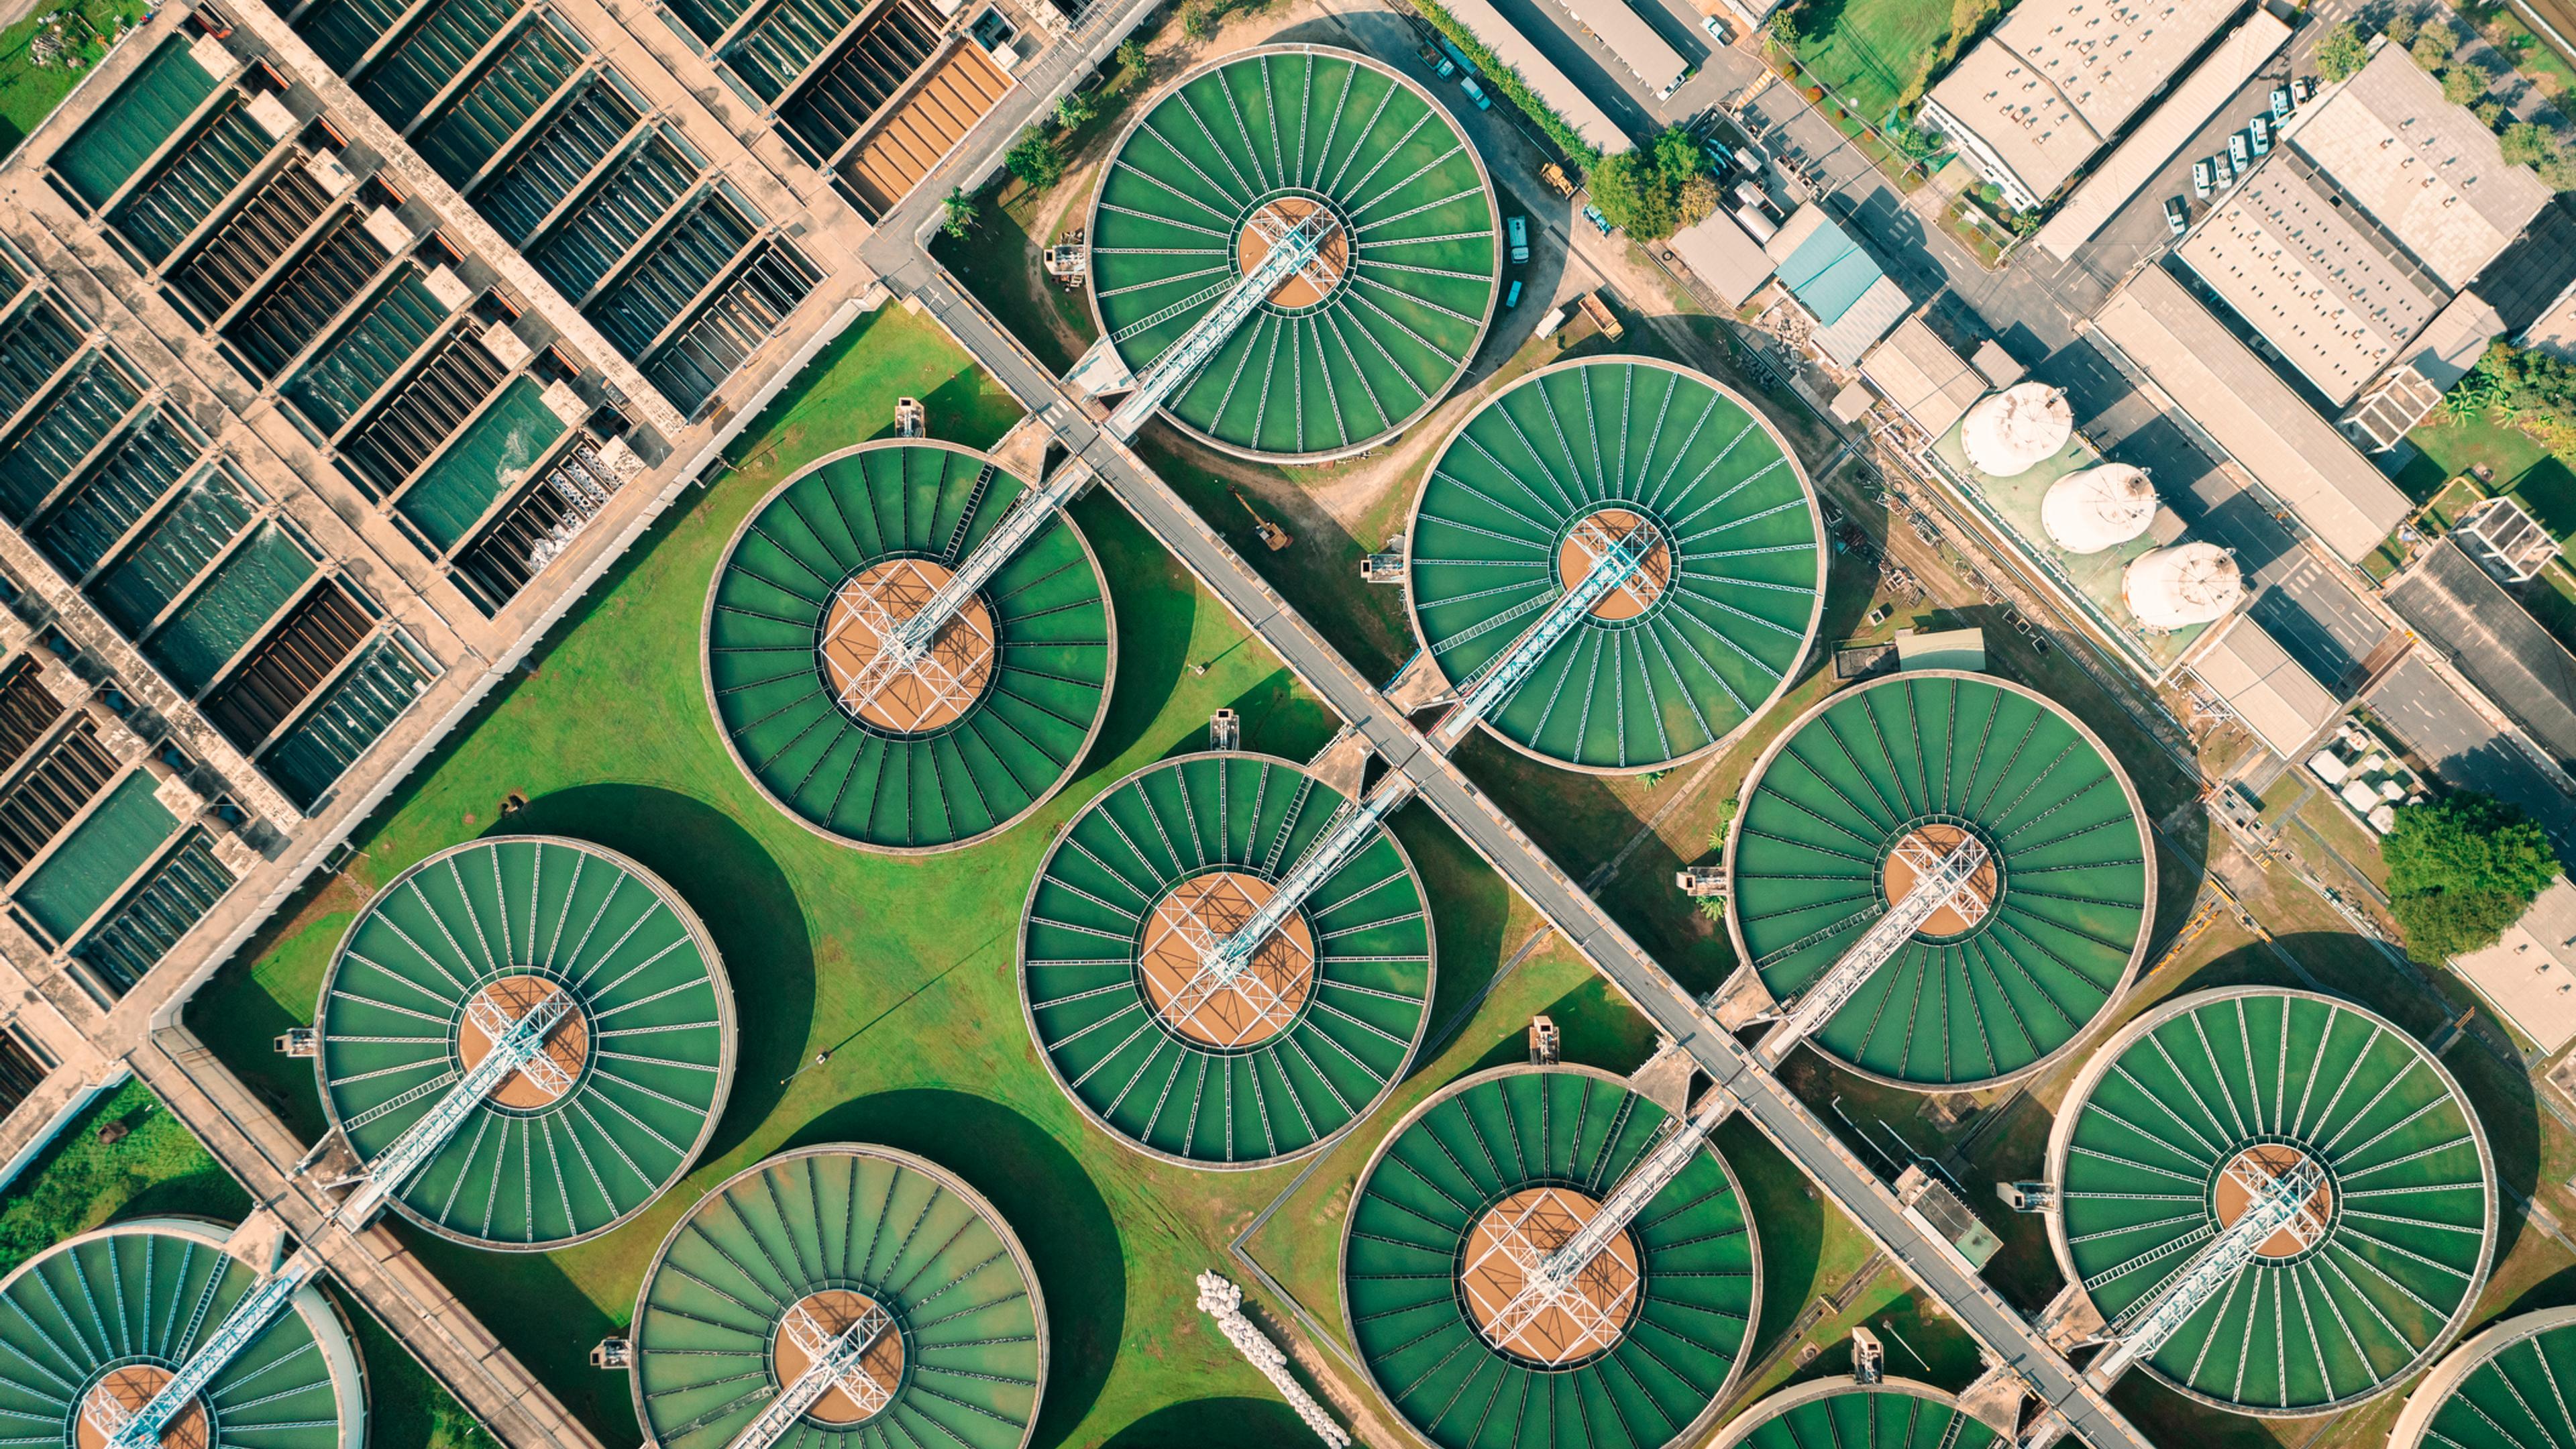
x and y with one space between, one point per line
2278 700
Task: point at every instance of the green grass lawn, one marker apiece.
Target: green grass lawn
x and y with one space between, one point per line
1874 54
157 1169
902 967
29 92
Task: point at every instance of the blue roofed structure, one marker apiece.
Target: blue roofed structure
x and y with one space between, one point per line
1838 282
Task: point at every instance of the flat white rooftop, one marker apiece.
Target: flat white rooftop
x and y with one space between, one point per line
2529 976
2235 397
1561 94
2058 78
1918 372
2272 693
1645 53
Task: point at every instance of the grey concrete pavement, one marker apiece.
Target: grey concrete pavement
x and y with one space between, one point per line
2430 717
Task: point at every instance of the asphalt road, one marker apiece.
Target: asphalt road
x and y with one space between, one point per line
2428 716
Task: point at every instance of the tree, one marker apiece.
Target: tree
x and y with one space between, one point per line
1700 199
1075 109
2490 114
1783 28
2462 84
1131 54
1199 19
957 213
1035 159
2460 870
2340 53
2401 28
2433 45
1645 192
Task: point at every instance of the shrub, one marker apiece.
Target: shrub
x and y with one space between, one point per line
1131 54
1700 200
2527 143
1076 109
2340 53
2401 28
2433 46
2489 113
957 213
1035 159
2460 870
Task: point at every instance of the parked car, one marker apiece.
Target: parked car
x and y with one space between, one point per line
2305 87
1518 229
2200 178
2280 103
2262 132
1475 93
2177 215
2226 171
1512 296
2238 151
1715 31
1593 215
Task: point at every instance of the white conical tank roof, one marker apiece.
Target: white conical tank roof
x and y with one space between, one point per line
2187 584
2008 433
2098 508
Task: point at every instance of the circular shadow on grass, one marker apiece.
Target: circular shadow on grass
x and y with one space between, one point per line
1236 1423
743 899
1049 1202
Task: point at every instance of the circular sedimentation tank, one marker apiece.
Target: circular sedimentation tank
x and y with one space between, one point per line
1550 475
817 1240
1508 1162
1840 809
1369 335
1844 1413
110 1316
2508 1387
983 730
2175 1124
1296 1049
628 1085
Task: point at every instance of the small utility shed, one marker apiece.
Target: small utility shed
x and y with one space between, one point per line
2527 976
2278 699
1725 257
1918 372
1838 282
1963 649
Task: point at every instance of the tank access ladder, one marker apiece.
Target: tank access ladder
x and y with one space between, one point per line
904 645
2282 1203
1551 1280
833 1361
1292 250
1939 882
263 1305
517 1045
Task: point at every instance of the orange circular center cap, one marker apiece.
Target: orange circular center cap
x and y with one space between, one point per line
123 1393
567 1048
1261 1000
830 1313
897 694
1592 540
1586 1318
1907 864
2255 1169
1309 284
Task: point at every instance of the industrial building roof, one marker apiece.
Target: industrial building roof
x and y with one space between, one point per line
2428 171
2496 643
1539 73
2058 78
1724 255
1835 278
2237 400
2530 974
2279 700
2165 131
1919 373
2310 275
1626 34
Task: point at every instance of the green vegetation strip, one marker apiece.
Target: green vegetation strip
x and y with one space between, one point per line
1302 125
1480 1141
868 1220
656 1013
2180 1094
1956 753
1279 1091
1636 440
1011 749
